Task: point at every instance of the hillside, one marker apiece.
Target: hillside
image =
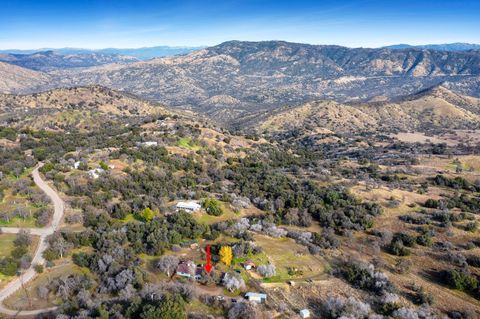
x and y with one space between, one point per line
236 79
261 75
50 60
14 78
437 107
75 106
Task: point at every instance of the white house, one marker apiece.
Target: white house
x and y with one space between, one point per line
305 313
188 206
256 297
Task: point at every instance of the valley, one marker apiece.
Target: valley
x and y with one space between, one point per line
345 182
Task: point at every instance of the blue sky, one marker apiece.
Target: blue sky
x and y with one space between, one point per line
368 23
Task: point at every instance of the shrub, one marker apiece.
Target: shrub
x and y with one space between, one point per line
421 296
424 240
8 266
460 280
473 261
212 207
398 249
38 268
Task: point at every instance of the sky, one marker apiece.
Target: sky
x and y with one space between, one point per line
98 24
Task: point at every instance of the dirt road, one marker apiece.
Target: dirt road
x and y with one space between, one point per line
30 273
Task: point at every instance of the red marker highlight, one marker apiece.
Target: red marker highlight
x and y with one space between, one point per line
208 266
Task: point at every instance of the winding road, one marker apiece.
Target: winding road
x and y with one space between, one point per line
30 273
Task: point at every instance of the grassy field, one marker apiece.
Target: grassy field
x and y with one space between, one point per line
204 218
10 202
187 143
284 253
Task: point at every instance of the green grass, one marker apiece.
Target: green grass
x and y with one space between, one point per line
203 218
198 307
19 222
129 218
6 244
187 143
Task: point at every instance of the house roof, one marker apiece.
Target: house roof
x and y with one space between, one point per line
249 262
185 267
189 205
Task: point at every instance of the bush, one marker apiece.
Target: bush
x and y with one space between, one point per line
421 296
431 203
407 240
398 249
424 240
212 207
38 268
460 280
8 266
473 261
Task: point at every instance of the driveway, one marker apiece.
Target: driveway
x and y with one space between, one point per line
30 273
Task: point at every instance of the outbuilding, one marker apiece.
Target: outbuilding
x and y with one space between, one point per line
188 206
256 297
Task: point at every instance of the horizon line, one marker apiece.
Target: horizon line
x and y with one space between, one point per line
206 46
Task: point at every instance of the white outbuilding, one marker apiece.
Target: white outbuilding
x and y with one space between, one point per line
188 206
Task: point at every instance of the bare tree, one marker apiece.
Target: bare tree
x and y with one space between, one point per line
22 212
267 270
23 238
244 310
233 281
42 292
167 264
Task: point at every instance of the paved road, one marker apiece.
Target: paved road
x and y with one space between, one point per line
30 273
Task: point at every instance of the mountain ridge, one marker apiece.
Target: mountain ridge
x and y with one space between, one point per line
238 78
434 108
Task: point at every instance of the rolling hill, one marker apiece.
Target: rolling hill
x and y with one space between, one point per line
435 108
76 106
17 79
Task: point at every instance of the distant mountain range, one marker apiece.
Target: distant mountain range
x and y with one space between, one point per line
139 53
458 46
50 60
236 80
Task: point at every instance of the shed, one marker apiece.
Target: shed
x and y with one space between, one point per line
256 297
188 206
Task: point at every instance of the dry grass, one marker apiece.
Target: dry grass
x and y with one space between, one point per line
285 253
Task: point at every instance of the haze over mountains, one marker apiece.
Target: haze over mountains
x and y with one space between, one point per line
458 46
50 60
139 53
235 80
